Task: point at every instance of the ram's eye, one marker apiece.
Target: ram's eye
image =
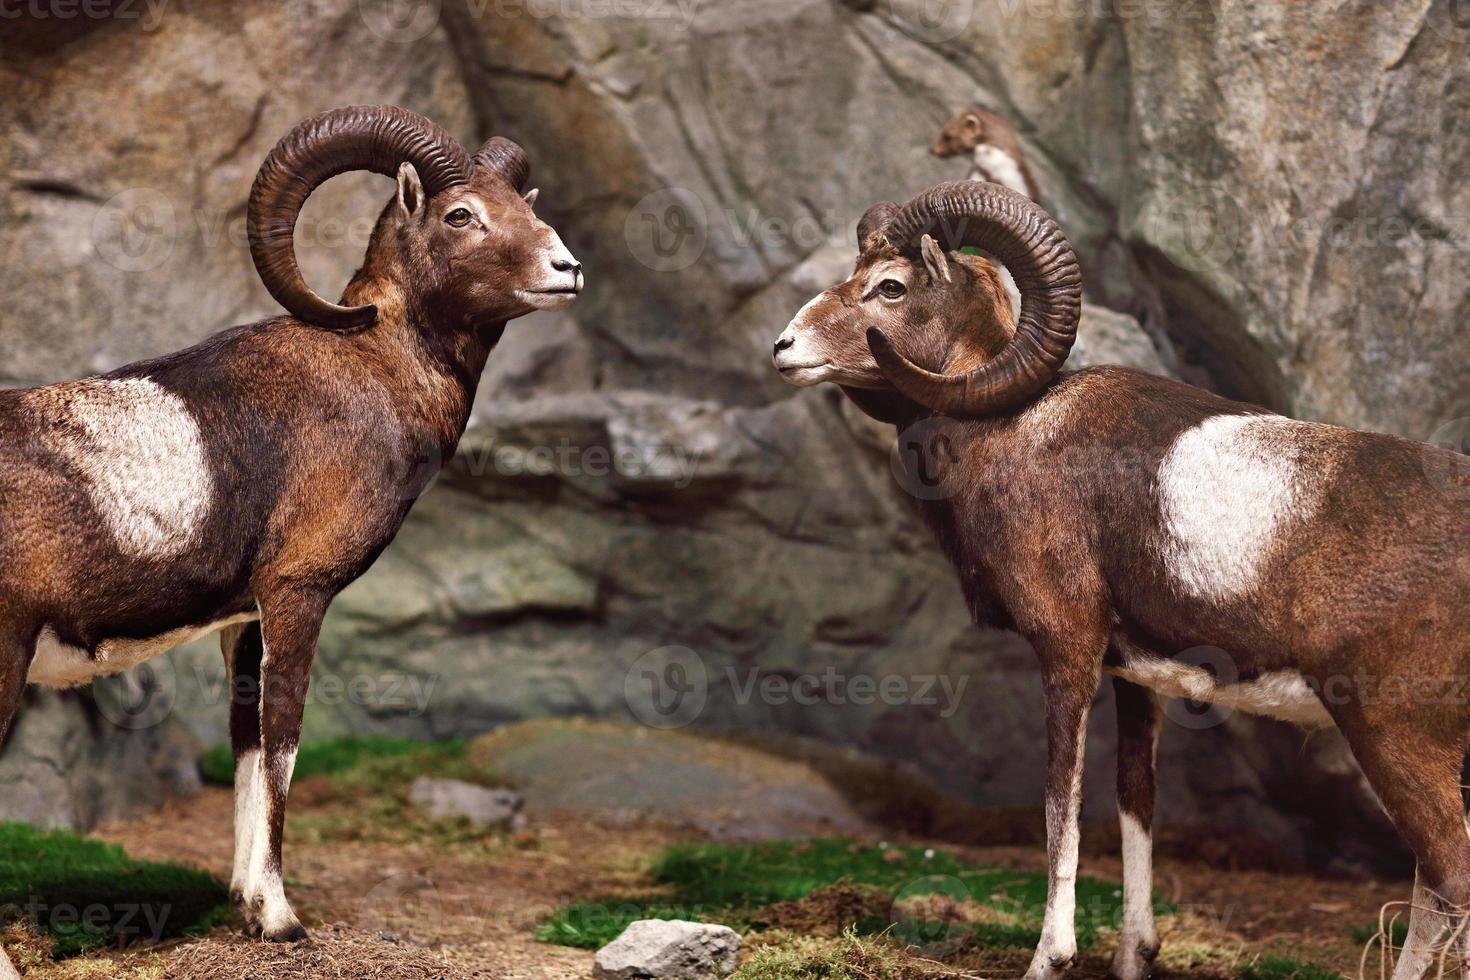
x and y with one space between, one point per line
891 289
458 218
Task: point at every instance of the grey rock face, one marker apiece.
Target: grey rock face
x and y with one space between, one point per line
1281 199
448 798
668 950
68 765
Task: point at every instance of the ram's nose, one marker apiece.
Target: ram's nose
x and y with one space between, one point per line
783 343
566 271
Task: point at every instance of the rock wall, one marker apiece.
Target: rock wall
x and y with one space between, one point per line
1277 192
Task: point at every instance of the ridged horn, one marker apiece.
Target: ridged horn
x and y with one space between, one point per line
506 158
876 218
1032 247
365 137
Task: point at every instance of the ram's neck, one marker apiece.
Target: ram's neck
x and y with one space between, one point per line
432 369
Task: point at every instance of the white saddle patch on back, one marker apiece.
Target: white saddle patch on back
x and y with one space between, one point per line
1280 694
140 454
1229 488
57 664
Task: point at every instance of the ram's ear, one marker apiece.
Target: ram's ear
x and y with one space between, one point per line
936 263
531 195
410 190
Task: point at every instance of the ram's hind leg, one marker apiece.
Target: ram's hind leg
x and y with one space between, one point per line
1138 736
242 650
1414 764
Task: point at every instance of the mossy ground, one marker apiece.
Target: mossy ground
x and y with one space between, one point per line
833 909
819 909
81 893
928 893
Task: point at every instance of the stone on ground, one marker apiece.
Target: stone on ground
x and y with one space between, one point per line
668 950
448 798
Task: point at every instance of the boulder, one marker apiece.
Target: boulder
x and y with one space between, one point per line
617 773
450 798
668 949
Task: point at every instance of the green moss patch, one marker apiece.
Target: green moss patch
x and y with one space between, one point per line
84 893
1284 968
370 754
930 895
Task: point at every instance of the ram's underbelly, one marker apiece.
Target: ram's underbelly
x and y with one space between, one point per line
58 664
1280 694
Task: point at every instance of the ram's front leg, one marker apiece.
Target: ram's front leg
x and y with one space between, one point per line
1071 668
290 623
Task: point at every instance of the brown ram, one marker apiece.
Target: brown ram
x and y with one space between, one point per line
242 483
1122 521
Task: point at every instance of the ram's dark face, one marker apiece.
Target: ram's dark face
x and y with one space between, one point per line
950 310
488 256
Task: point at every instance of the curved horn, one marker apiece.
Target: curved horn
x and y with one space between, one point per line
365 137
506 158
1028 242
876 218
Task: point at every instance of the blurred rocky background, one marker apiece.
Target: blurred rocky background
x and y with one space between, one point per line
645 523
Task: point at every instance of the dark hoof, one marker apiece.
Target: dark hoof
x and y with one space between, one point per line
294 933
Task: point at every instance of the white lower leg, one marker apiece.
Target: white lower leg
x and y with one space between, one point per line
1138 942
1058 946
265 893
7 970
1427 930
247 803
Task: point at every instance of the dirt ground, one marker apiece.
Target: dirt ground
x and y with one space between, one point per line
475 907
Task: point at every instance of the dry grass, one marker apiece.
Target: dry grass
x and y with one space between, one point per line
790 956
337 953
31 953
